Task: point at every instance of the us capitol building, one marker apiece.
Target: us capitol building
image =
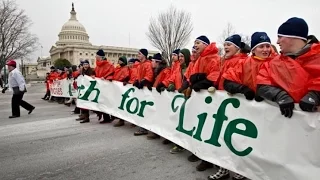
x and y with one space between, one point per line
74 45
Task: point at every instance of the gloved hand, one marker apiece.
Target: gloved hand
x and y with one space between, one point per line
184 86
125 83
194 78
110 80
4 90
248 93
286 106
136 84
150 88
203 84
171 87
187 92
258 98
160 87
310 101
143 83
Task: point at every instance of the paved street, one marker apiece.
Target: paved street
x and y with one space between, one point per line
50 144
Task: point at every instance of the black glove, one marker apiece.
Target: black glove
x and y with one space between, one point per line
310 101
204 84
125 83
184 86
143 83
248 93
150 88
258 98
136 84
110 80
285 103
194 78
160 87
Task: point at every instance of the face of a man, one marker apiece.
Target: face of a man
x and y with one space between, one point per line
285 44
199 46
141 57
10 68
85 65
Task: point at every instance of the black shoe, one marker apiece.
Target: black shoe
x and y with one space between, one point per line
31 110
204 165
106 121
11 117
85 121
166 141
193 158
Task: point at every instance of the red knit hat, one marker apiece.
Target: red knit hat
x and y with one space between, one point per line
11 63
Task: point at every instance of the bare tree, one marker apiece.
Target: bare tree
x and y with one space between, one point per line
15 39
229 31
169 31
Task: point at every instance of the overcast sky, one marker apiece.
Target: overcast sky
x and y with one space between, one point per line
109 22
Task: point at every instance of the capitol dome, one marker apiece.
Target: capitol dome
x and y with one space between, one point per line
73 32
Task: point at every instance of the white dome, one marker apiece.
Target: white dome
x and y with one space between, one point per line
73 32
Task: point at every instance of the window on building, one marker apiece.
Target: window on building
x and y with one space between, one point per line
80 54
44 64
91 54
86 54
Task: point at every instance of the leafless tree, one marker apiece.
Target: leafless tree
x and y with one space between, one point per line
170 30
15 39
229 31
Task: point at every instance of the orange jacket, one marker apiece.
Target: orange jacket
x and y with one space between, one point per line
163 75
53 76
75 74
208 62
230 63
145 71
175 75
246 72
121 73
104 69
63 75
134 72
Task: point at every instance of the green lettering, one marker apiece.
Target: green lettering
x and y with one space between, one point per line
202 119
70 93
250 131
129 105
125 96
143 105
89 91
220 117
181 115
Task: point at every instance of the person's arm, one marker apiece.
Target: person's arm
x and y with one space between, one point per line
20 80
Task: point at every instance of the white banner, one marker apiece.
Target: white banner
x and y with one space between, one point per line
247 137
63 88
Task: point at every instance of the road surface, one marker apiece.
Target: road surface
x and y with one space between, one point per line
50 144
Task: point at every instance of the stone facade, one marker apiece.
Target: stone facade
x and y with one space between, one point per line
74 45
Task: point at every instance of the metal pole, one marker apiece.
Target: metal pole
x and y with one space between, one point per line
4 70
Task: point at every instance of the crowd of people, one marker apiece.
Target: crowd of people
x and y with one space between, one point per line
257 71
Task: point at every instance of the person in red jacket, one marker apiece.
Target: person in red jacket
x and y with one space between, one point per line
133 70
105 71
243 77
121 74
206 69
293 76
145 71
144 78
47 95
161 72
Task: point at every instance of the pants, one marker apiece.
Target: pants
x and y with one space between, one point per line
1 83
16 102
85 111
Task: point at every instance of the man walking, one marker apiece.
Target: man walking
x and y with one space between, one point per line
18 85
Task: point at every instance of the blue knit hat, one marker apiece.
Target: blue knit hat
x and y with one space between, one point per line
235 40
204 40
258 38
144 52
157 57
101 53
294 28
176 52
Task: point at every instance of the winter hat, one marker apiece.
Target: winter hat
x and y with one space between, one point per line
87 61
144 52
204 40
258 38
157 57
176 52
52 67
235 40
12 63
186 54
294 28
101 53
123 59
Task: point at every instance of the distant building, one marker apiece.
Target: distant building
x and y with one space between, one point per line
74 45
43 66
